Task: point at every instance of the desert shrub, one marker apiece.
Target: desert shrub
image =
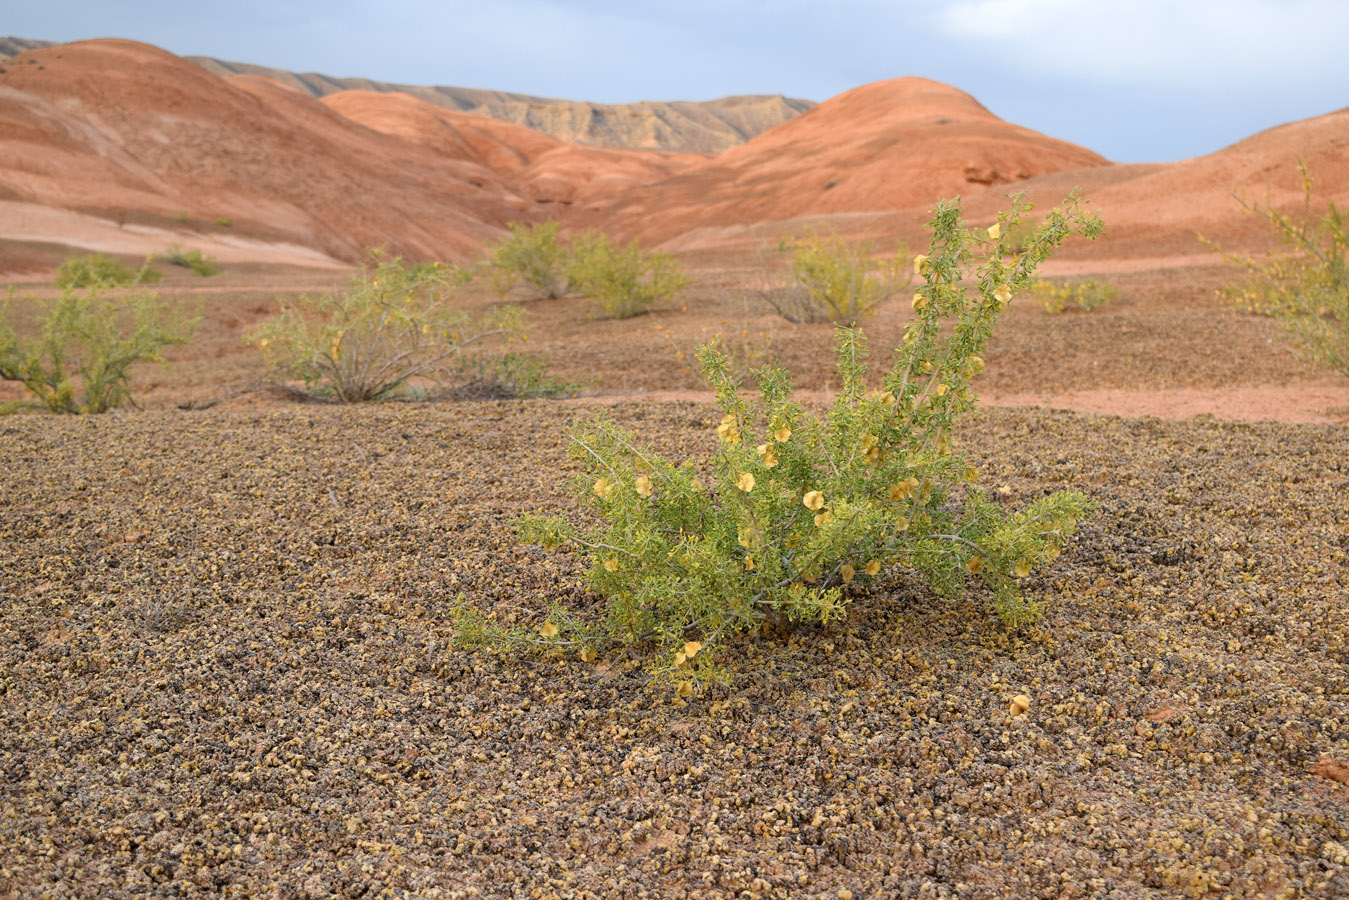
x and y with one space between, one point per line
367 343
98 270
803 509
1057 297
831 280
225 222
193 259
627 281
1306 284
79 360
532 254
509 375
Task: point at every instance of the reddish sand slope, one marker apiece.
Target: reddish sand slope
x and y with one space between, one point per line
886 146
115 126
545 168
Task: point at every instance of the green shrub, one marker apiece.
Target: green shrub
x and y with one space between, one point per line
1056 297
1305 287
627 281
803 509
225 222
532 254
98 270
78 362
509 375
205 266
831 280
394 325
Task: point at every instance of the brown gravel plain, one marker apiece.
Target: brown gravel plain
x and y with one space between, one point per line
225 670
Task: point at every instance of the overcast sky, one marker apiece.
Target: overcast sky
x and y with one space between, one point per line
1135 80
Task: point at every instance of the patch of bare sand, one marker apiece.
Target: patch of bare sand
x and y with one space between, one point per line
1314 402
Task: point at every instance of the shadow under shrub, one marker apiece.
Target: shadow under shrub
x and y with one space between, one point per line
804 509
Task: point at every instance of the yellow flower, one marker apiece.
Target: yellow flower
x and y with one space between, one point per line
587 654
679 657
942 389
975 564
749 564
548 630
684 689
887 398
767 456
901 489
263 343
813 500
691 649
643 486
873 567
823 518
746 482
603 487
973 366
1022 568
611 564
847 573
1003 294
920 264
729 430
782 434
919 301
995 230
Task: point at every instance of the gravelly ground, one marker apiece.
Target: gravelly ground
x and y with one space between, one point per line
225 670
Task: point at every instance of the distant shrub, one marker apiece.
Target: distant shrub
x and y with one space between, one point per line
86 343
509 375
205 266
98 270
225 222
831 280
1305 287
532 254
627 281
804 508
1057 297
367 343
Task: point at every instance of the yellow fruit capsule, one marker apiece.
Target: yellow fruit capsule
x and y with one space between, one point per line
813 500
749 564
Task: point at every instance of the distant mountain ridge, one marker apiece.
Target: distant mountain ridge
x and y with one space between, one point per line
708 126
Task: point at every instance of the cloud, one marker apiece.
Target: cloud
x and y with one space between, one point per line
1206 44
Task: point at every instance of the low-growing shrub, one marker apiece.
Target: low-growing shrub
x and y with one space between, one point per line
1057 297
193 259
803 509
79 360
627 281
393 326
1306 286
532 254
509 375
831 280
98 270
225 222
